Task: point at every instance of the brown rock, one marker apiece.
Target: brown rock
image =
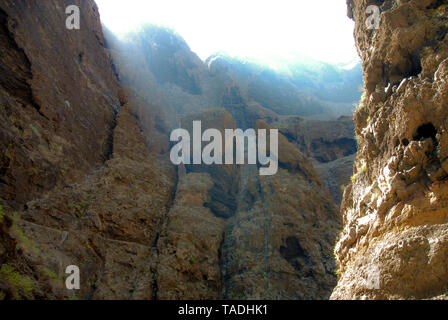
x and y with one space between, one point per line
55 125
395 222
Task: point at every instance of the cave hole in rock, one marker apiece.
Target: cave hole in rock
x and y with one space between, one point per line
292 251
426 131
416 66
405 142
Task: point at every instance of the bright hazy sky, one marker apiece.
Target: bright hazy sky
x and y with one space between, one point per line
269 31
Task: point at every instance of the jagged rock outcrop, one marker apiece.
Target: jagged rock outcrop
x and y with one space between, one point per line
222 196
395 239
233 234
109 224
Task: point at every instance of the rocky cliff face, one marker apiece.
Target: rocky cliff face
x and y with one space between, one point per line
86 178
277 246
58 98
330 144
395 239
80 184
249 92
233 234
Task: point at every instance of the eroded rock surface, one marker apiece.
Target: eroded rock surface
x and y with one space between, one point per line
394 244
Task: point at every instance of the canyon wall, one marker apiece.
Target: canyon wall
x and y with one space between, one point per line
81 181
86 178
395 239
58 98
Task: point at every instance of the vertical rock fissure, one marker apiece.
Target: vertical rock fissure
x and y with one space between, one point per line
165 222
267 227
109 150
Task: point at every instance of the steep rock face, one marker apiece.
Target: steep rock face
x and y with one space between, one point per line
330 144
336 175
233 234
233 101
278 244
108 225
158 65
190 246
107 180
225 178
171 60
58 98
394 244
324 141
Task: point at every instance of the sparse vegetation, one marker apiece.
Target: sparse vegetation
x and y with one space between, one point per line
49 273
238 296
354 177
33 172
2 214
24 241
78 209
364 168
440 12
337 273
21 286
363 100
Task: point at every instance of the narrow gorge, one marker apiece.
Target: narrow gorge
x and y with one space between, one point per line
357 209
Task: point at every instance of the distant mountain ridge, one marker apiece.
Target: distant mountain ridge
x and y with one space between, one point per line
181 80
